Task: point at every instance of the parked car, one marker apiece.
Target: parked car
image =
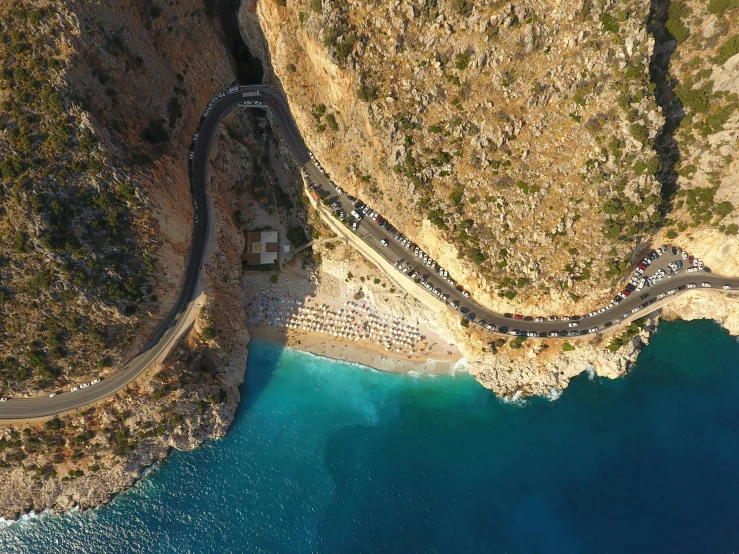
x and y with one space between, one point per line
383 242
552 318
726 287
593 330
4 399
706 285
692 285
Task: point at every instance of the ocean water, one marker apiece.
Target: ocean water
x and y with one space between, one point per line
326 457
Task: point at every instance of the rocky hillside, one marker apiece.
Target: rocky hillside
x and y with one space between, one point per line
514 141
99 100
697 60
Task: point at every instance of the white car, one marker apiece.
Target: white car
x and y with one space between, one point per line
661 295
553 334
84 385
530 334
706 285
565 318
593 330
691 270
465 294
685 255
192 154
538 319
692 285
94 381
552 318
383 242
726 287
672 291
3 399
74 389
573 324
52 395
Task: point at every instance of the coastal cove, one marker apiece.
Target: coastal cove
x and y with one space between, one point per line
325 456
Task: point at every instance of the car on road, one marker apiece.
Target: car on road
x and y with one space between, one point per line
74 389
514 332
465 310
273 103
52 395
608 324
455 303
685 255
530 334
573 324
538 319
471 316
706 285
552 318
509 316
593 330
4 399
192 155
553 334
691 270
726 287
643 296
490 326
573 333
692 285
518 316
661 295
196 218
672 291
465 294
384 242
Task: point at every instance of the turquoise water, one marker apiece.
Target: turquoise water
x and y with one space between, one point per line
327 457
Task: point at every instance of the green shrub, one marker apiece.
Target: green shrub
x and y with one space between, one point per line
461 61
720 6
367 93
728 49
155 132
610 24
567 347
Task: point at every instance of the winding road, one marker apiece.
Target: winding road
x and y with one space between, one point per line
175 323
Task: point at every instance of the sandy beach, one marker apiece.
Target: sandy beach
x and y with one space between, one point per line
327 317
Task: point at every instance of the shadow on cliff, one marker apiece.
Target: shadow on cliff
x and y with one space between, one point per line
666 145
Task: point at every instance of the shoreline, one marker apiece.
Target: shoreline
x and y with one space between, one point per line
333 348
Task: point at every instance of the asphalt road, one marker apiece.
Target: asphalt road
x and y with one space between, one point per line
620 314
170 327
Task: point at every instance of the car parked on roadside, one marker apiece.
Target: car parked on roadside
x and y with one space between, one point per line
726 287
706 285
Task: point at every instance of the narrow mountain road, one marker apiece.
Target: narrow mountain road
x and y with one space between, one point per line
369 238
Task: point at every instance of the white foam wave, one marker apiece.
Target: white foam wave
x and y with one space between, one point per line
553 394
460 366
515 399
591 372
24 519
149 469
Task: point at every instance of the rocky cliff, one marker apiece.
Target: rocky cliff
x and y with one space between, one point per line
514 142
133 78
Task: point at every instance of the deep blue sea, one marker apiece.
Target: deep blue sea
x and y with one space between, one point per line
327 457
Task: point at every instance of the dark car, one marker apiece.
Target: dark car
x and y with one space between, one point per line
573 333
682 287
503 329
471 316
528 318
464 310
575 317
652 301
608 324
643 296
509 316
